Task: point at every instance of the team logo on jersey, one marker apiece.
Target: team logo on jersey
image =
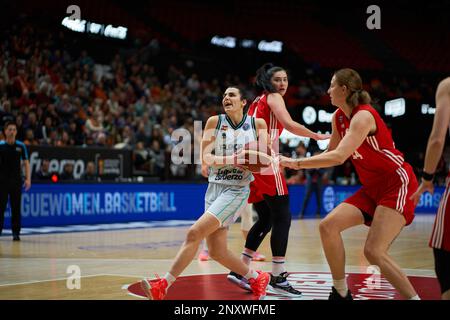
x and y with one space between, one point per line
341 118
224 127
246 126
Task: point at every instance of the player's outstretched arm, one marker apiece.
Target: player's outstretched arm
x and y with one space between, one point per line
278 107
362 123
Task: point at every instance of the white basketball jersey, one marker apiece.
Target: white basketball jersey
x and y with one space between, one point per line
229 139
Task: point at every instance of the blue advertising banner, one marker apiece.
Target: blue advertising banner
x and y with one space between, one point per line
70 204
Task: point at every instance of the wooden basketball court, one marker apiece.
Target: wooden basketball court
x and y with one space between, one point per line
38 267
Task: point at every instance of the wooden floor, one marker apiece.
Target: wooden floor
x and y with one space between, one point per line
37 267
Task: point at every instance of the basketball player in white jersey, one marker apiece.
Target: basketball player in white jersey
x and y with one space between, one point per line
227 193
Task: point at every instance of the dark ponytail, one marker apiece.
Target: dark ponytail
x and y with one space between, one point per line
264 75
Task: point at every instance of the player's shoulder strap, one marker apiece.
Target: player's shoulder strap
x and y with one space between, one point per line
219 122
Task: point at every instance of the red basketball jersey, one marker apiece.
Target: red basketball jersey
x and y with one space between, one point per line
267 184
260 109
377 154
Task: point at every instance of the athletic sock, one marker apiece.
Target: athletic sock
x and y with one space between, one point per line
170 279
341 286
278 266
416 297
251 274
247 256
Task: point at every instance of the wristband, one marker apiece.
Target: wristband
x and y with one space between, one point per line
427 176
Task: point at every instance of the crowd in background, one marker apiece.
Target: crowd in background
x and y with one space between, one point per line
61 98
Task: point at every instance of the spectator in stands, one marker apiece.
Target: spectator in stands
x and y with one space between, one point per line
5 113
67 173
65 108
75 133
141 158
20 129
43 174
126 139
94 124
32 124
45 130
29 138
89 174
157 158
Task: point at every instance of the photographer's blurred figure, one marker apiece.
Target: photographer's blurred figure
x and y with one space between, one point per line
13 154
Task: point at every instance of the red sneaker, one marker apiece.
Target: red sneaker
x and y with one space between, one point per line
155 289
259 284
203 255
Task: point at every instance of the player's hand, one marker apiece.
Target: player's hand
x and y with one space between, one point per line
289 162
322 136
27 184
424 186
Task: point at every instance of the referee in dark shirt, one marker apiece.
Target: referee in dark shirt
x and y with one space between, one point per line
13 153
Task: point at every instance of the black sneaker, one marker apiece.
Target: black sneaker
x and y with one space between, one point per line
239 280
280 285
334 295
16 237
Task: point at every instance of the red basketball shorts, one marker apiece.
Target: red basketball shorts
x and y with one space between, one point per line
267 184
391 190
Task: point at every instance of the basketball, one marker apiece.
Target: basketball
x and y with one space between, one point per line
256 157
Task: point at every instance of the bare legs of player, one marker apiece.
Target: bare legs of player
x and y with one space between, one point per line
386 225
207 226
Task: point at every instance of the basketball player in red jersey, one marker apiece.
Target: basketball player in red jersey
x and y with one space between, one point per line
268 192
440 237
383 202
